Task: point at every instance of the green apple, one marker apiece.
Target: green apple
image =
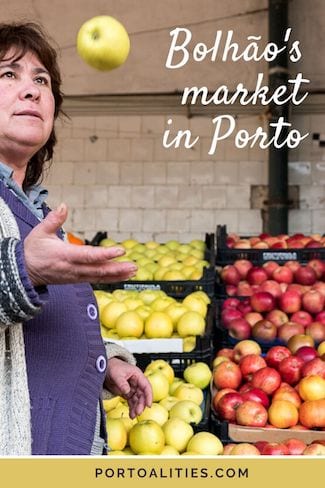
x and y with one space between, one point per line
198 374
103 43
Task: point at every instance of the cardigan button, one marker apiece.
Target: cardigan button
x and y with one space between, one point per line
101 364
92 311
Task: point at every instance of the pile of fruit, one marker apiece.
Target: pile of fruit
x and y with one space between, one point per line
280 301
281 389
152 314
281 241
165 428
172 261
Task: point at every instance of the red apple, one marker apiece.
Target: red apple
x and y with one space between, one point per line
275 449
231 290
269 267
253 317
256 395
260 445
229 314
283 274
290 369
313 301
244 347
314 367
264 331
317 331
320 286
249 364
318 266
227 352
277 317
287 393
295 446
256 275
271 286
244 289
286 331
230 303
268 379
275 355
302 317
305 275
230 275
219 394
244 306
290 301
227 406
293 265
320 317
262 301
227 375
243 266
252 414
296 287
306 353
239 329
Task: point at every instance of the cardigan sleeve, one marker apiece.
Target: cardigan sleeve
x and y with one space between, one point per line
19 300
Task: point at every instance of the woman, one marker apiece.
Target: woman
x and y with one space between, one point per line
53 364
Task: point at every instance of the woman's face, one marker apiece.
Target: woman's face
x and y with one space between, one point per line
26 106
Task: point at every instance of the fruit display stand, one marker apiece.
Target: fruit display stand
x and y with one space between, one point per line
226 254
175 287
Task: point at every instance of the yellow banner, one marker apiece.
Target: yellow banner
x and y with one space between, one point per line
123 472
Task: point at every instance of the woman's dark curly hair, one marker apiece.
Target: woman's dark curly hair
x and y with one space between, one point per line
30 37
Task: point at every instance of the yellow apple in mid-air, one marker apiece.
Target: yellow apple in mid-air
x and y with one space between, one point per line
116 434
159 385
187 410
187 391
177 432
199 374
206 444
103 43
162 366
156 412
146 437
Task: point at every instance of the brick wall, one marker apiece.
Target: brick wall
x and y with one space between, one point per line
115 175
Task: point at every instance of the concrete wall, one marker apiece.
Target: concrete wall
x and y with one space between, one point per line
111 168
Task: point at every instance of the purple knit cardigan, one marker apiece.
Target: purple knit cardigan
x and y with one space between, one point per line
65 358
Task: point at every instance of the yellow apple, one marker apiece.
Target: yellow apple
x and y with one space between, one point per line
187 410
201 294
142 274
198 244
191 323
196 304
168 402
120 295
163 367
175 311
110 403
166 260
187 391
146 437
132 303
159 384
144 311
321 348
199 374
219 359
116 434
177 433
158 325
189 343
103 43
148 295
174 275
169 451
107 242
111 313
175 384
129 243
156 412
129 324
120 411
111 334
161 303
206 444
152 245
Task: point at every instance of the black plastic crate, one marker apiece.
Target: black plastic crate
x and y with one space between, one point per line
177 288
225 255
